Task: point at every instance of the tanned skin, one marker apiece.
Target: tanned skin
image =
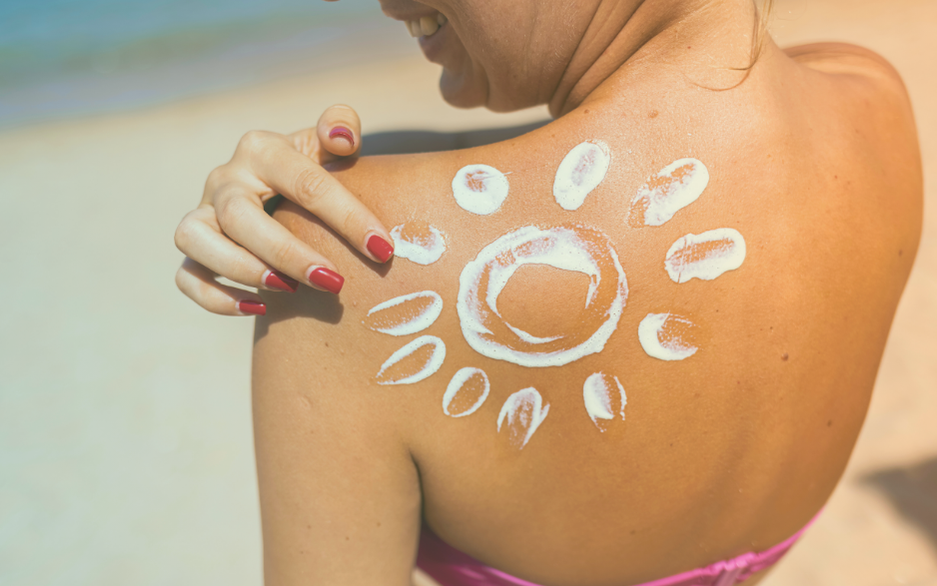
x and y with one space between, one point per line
813 157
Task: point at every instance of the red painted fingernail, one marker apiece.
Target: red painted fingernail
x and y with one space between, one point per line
278 280
328 280
380 248
342 132
252 307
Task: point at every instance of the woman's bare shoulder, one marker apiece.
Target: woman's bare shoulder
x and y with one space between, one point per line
842 58
858 111
863 85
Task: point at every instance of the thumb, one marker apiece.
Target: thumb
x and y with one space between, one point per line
339 132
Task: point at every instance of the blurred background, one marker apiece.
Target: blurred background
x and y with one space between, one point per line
125 435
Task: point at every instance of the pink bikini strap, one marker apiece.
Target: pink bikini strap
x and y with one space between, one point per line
737 569
451 567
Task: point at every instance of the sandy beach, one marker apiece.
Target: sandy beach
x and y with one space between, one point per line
125 432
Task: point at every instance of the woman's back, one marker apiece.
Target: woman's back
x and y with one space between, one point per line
741 391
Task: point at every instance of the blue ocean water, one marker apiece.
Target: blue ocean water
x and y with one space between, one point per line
61 58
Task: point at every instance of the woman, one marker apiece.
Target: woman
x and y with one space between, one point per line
635 345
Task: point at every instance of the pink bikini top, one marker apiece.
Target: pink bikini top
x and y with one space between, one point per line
451 567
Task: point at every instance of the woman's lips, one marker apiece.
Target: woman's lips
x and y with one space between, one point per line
432 45
431 31
425 26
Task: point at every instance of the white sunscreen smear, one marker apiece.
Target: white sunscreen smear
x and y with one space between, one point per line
599 392
581 171
676 186
522 414
405 315
660 336
705 256
471 381
418 242
480 189
410 364
579 249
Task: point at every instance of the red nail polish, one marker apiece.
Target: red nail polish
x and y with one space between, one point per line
328 280
252 307
278 280
380 248
342 132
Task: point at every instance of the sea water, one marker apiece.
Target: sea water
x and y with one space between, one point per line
62 58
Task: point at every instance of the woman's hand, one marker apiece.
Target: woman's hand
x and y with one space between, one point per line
230 235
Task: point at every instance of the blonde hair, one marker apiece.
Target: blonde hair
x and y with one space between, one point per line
760 33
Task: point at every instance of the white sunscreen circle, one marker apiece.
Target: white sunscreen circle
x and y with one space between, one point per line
661 346
705 256
598 392
676 186
480 189
576 248
419 370
581 171
458 383
522 414
424 247
405 315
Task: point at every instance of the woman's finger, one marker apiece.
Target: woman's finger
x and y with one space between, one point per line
301 180
337 135
245 222
199 285
199 237
339 132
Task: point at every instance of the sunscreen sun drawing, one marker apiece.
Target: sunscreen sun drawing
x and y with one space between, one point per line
480 190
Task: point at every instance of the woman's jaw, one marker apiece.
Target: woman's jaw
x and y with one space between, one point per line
512 54
432 27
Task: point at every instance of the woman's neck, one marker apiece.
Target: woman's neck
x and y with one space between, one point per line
714 37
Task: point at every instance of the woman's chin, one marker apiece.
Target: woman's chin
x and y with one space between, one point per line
461 90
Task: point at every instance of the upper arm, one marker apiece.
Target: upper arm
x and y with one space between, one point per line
339 493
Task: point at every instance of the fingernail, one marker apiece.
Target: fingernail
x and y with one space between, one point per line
328 280
252 307
342 132
380 248
278 280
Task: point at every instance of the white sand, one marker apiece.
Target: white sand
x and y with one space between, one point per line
125 438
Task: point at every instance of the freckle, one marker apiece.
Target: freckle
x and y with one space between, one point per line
378 523
346 538
900 252
784 357
652 114
326 344
835 176
632 531
586 111
671 445
829 423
